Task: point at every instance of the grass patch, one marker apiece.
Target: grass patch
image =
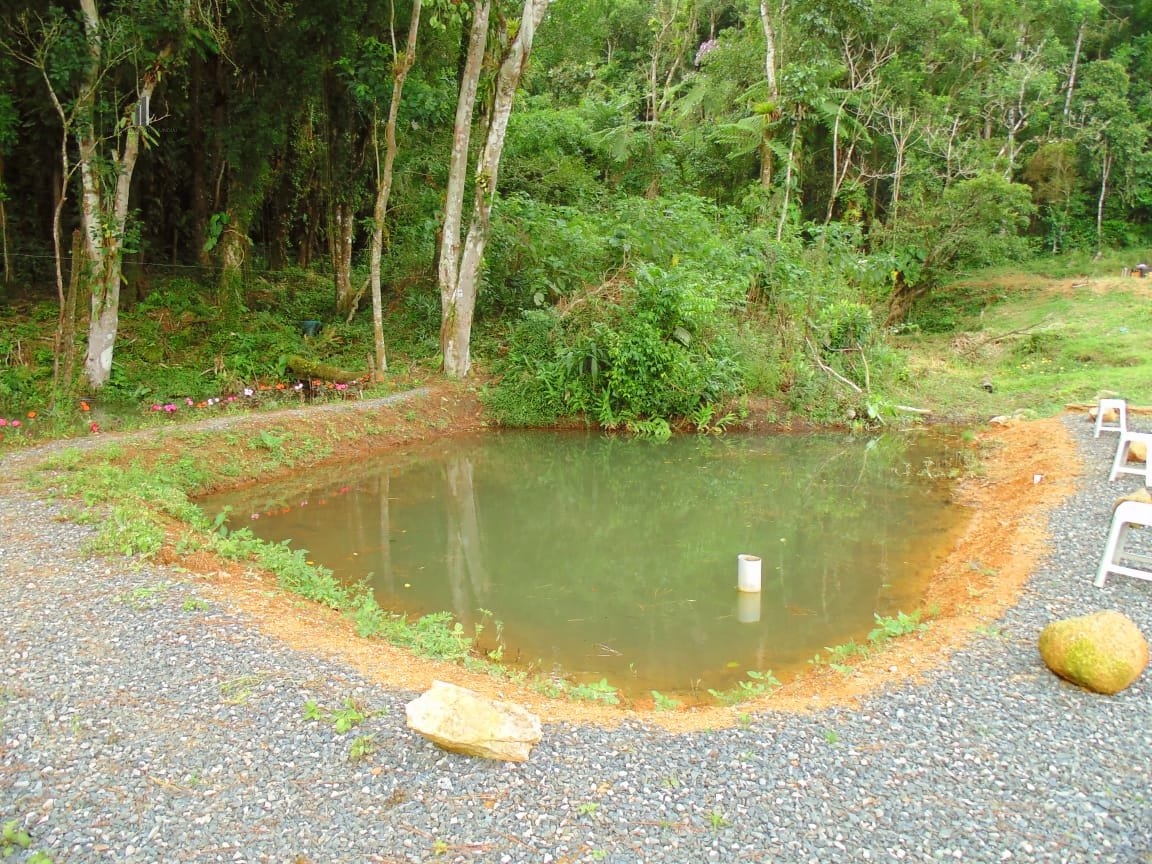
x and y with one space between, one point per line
1030 342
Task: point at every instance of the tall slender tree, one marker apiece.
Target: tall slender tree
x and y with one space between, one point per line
460 261
100 71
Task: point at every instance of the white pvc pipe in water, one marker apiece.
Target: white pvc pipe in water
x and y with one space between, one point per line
747 607
748 573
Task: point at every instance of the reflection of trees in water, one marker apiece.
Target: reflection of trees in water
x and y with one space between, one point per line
467 575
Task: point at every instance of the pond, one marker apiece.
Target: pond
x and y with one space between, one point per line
616 558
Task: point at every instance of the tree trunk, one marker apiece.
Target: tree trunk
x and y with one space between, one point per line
232 252
1105 172
457 313
448 270
1072 69
789 179
8 274
384 190
340 239
771 42
104 210
66 339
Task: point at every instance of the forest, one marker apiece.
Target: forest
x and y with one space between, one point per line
635 211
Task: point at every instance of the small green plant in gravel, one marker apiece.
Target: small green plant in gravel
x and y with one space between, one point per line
343 719
14 839
831 736
237 691
362 747
717 820
587 808
193 604
144 597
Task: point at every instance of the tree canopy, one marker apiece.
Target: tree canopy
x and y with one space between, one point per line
680 160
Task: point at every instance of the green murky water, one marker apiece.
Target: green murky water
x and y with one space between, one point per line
617 558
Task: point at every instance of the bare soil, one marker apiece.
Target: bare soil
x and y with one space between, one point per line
1027 468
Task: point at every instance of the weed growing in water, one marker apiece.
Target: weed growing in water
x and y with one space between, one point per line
761 684
596 691
665 703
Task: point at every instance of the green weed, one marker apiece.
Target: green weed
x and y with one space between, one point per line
665 703
587 808
239 690
761 683
343 719
362 747
595 691
717 820
14 839
892 628
144 597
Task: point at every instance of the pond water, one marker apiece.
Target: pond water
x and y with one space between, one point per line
617 558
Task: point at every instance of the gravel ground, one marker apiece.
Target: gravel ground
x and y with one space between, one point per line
141 723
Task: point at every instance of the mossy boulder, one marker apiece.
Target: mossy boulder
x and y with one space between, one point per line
1103 652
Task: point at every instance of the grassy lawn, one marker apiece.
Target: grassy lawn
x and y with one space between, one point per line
1037 342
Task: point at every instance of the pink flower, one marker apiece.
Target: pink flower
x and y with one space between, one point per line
15 424
189 401
3 422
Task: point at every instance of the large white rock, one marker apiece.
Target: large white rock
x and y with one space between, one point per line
463 721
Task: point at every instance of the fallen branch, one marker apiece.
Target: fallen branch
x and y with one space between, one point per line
829 370
993 340
910 410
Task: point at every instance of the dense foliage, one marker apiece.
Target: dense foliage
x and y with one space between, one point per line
698 198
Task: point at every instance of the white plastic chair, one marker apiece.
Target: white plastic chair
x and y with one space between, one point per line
1120 464
1126 514
1120 406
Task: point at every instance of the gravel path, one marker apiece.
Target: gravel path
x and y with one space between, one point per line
141 723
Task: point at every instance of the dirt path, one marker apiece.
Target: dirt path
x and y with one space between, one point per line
982 575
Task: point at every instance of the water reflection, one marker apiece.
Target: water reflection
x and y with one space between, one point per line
617 558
